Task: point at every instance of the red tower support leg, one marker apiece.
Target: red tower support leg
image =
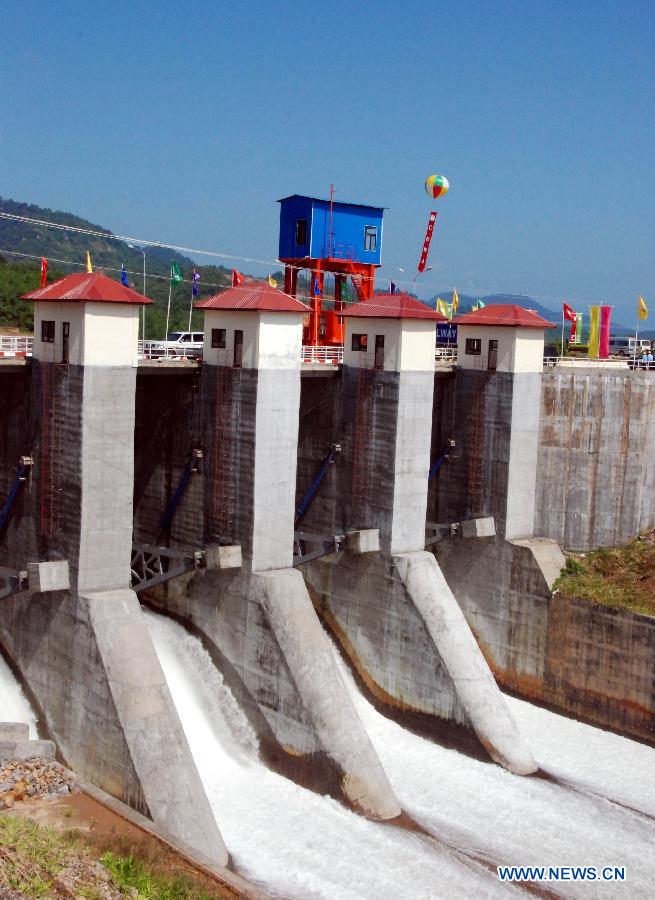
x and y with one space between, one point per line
288 280
317 306
367 282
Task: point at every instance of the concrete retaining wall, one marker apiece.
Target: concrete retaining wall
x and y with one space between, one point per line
592 661
600 665
596 484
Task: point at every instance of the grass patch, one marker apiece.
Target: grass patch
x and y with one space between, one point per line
129 872
32 858
622 576
46 862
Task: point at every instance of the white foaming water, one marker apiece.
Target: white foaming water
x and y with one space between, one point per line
14 706
301 845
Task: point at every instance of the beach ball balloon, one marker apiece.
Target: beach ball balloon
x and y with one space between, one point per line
436 185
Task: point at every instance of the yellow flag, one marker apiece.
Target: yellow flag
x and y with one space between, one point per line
455 301
594 332
272 281
642 309
89 267
441 307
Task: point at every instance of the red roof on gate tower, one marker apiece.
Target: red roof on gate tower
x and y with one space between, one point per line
256 295
507 315
393 306
87 286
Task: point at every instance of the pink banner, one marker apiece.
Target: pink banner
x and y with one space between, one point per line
604 342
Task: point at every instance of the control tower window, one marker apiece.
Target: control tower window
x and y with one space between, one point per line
47 332
473 346
301 232
370 238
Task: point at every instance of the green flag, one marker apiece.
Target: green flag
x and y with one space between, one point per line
176 275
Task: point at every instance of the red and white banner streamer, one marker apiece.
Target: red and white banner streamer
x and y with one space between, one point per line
426 243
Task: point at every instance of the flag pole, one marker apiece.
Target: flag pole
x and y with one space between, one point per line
562 329
193 284
168 308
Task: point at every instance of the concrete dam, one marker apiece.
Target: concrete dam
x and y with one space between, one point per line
408 516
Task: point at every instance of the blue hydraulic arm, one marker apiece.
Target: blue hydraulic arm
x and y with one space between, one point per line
443 457
308 499
190 469
19 478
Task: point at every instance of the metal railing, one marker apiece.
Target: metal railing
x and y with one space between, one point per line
330 355
10 344
156 350
584 362
333 355
322 354
445 356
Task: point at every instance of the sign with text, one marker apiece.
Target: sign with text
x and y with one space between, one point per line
446 333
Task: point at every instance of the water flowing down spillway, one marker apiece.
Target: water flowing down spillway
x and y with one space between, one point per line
596 807
14 706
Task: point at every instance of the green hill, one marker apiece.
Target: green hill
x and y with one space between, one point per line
66 252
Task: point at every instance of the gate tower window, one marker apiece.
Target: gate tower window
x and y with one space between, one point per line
47 332
238 348
379 351
218 338
301 232
473 346
370 238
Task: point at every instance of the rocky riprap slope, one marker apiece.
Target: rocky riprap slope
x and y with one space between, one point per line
28 768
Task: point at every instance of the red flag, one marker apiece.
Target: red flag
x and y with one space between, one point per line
568 312
237 278
574 331
44 271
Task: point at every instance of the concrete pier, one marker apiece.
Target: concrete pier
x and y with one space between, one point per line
258 622
84 652
392 611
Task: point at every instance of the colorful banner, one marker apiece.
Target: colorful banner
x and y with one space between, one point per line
604 338
444 308
426 243
594 331
574 326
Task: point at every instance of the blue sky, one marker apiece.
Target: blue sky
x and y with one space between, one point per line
186 122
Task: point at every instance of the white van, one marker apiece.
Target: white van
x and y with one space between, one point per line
179 343
644 346
627 346
620 346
